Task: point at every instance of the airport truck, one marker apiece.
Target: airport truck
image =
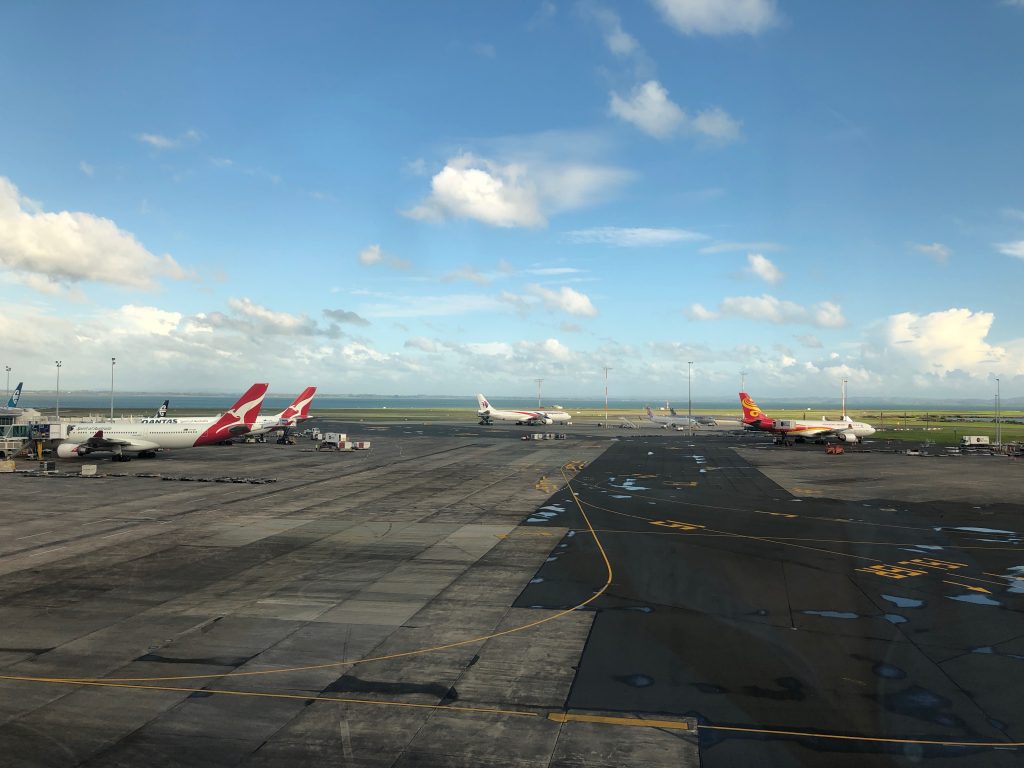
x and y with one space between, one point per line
974 440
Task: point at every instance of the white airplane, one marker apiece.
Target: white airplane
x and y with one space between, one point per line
675 421
146 436
289 417
489 415
847 430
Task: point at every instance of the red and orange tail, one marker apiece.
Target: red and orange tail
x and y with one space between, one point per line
752 414
299 409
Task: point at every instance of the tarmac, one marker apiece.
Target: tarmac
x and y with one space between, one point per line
457 596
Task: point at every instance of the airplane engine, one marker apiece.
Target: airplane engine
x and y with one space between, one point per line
847 437
71 451
548 420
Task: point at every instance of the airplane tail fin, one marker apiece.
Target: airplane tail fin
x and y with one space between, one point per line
15 396
650 413
162 410
751 412
482 402
299 409
239 420
673 411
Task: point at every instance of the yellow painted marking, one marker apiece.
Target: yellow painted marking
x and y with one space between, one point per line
999 575
524 533
575 466
568 717
892 571
930 562
968 586
545 485
787 515
677 484
677 525
644 477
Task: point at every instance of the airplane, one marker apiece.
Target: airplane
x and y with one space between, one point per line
15 396
846 430
675 421
146 436
289 417
161 412
489 415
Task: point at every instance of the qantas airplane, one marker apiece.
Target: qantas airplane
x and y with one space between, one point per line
489 415
847 430
289 417
146 436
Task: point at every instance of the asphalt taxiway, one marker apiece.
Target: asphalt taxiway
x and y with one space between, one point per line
458 596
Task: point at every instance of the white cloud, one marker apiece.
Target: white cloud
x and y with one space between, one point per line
159 141
619 42
770 309
421 343
719 17
565 299
373 255
146 320
1014 213
810 340
555 349
345 316
700 312
514 194
728 247
72 246
716 123
649 108
432 306
944 341
86 168
633 237
553 271
937 251
470 274
763 268
1015 249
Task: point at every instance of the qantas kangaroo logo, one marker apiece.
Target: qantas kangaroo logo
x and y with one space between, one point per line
239 419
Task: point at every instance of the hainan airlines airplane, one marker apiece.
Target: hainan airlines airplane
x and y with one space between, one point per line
847 430
489 415
146 436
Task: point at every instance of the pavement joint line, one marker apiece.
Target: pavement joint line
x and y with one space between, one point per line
353 662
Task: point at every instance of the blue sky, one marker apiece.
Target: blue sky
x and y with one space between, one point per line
441 198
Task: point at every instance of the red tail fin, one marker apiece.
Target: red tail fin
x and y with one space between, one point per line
751 412
299 409
239 419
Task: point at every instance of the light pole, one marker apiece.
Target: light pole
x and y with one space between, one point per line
689 393
743 381
539 382
8 369
113 360
999 405
58 388
844 399
606 369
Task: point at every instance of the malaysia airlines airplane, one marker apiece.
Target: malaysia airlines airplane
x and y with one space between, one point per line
847 430
489 415
146 436
289 417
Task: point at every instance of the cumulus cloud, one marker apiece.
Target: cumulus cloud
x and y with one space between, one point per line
762 267
422 343
373 255
251 319
944 341
344 316
1015 249
514 194
633 237
566 299
71 246
147 320
649 108
937 251
810 340
719 17
767 308
555 349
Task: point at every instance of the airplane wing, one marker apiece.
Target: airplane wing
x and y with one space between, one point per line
100 443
